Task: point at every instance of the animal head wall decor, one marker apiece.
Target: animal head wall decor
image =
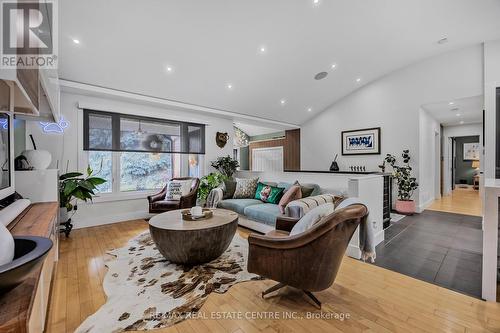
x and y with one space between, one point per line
221 139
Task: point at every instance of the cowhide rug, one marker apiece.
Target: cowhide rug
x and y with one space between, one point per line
145 291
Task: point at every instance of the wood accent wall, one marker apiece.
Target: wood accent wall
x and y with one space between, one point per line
291 149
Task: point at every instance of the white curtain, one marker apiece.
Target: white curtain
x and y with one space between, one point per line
267 159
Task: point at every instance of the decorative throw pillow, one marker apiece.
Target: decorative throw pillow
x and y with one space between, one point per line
306 190
229 188
312 217
293 193
268 193
245 188
300 207
346 202
177 189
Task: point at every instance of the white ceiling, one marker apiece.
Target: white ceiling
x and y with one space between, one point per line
127 45
457 112
253 130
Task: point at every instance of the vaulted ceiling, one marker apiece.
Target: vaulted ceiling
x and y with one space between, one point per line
260 57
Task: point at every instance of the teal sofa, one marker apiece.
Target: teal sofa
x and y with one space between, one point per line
257 211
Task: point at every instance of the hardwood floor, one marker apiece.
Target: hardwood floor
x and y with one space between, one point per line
374 298
461 201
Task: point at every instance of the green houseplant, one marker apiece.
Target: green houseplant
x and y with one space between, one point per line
75 186
226 165
406 183
207 184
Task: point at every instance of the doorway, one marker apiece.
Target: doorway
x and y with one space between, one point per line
443 243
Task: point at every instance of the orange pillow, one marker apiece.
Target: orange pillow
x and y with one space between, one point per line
293 193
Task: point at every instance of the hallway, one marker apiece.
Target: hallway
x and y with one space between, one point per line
461 201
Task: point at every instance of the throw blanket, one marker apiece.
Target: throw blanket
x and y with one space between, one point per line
366 233
214 197
299 208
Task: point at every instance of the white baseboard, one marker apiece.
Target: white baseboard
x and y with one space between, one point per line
353 251
80 223
379 237
424 206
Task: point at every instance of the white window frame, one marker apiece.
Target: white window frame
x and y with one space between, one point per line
116 194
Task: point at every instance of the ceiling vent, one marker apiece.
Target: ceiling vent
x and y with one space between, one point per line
320 75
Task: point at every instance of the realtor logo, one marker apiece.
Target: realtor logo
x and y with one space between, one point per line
29 34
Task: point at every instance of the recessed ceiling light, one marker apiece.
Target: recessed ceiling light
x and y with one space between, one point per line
309 109
282 102
229 86
462 122
458 114
443 40
451 103
358 80
334 66
76 41
315 2
169 69
320 75
262 49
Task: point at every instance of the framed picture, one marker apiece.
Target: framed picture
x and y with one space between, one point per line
361 142
471 151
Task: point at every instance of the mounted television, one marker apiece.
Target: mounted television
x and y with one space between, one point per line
6 156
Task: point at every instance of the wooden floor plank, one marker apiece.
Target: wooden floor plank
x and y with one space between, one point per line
376 299
465 201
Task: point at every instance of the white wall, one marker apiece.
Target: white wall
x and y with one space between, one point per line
491 82
451 132
393 103
64 148
490 222
428 159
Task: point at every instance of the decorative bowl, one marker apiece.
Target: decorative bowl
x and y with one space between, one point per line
29 252
187 216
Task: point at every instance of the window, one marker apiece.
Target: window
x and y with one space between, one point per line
145 171
140 154
102 164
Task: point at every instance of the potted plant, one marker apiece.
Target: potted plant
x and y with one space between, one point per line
207 184
225 165
75 186
405 182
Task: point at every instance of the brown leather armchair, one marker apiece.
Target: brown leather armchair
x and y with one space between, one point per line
158 204
308 261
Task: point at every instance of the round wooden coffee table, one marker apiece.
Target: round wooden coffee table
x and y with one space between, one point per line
193 242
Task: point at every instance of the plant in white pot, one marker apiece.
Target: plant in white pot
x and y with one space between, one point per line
75 186
405 182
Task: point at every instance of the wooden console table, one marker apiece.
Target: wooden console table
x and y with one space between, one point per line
24 308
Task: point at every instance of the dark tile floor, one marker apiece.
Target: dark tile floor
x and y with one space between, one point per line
441 248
